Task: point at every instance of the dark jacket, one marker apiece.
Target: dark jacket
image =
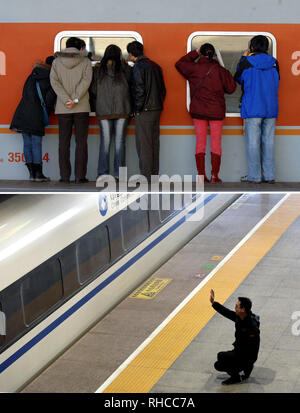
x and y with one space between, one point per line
258 75
110 96
29 117
247 334
207 100
147 85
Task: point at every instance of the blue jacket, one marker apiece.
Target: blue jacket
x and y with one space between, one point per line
258 74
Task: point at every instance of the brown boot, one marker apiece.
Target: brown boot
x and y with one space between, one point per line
200 162
215 167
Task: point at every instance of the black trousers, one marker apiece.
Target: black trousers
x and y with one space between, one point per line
81 125
147 142
231 364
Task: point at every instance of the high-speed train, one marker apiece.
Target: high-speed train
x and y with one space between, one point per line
66 260
168 29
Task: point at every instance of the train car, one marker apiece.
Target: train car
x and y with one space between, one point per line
68 259
168 30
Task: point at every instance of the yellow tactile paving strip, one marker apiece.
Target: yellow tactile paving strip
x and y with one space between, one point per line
153 361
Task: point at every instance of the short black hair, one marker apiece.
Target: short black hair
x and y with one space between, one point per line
75 42
207 50
259 44
245 303
135 48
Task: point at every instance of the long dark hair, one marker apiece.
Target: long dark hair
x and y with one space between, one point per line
207 50
113 53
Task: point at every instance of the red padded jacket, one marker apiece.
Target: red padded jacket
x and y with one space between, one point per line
207 101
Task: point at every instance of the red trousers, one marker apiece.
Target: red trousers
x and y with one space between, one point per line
201 127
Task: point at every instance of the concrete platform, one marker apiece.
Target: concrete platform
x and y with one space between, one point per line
55 186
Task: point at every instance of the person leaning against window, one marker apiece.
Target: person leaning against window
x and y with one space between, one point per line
70 77
208 82
258 74
110 94
31 116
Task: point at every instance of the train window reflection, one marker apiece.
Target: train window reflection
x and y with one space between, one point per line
41 290
231 46
97 41
93 253
135 226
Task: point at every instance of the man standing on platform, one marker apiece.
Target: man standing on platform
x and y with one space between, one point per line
70 77
247 340
148 93
258 74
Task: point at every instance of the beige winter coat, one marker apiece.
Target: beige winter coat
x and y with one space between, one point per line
70 77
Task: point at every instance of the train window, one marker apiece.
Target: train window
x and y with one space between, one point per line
115 237
93 253
231 46
41 290
69 269
135 226
12 307
97 41
168 203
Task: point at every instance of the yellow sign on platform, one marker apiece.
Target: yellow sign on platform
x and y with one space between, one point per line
151 288
216 258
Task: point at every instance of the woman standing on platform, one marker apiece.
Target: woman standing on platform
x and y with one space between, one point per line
208 82
111 96
32 115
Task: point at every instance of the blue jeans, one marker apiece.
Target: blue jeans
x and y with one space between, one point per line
259 133
32 148
106 129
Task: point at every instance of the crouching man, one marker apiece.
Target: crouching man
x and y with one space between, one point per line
247 340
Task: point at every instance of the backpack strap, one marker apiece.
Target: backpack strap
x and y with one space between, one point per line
43 104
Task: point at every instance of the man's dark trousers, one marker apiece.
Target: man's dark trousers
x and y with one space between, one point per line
147 142
81 125
231 364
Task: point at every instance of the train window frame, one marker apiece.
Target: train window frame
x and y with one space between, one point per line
226 33
95 33
28 322
103 228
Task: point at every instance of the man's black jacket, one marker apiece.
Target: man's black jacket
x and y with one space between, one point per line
247 337
148 87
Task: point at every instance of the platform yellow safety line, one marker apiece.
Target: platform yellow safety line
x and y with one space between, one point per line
153 361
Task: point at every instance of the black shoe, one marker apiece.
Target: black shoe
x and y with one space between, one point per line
65 181
81 181
271 181
31 170
233 380
245 179
38 173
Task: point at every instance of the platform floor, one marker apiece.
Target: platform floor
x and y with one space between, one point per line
55 186
169 344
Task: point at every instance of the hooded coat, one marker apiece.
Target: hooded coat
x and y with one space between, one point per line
258 74
71 75
29 117
207 99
